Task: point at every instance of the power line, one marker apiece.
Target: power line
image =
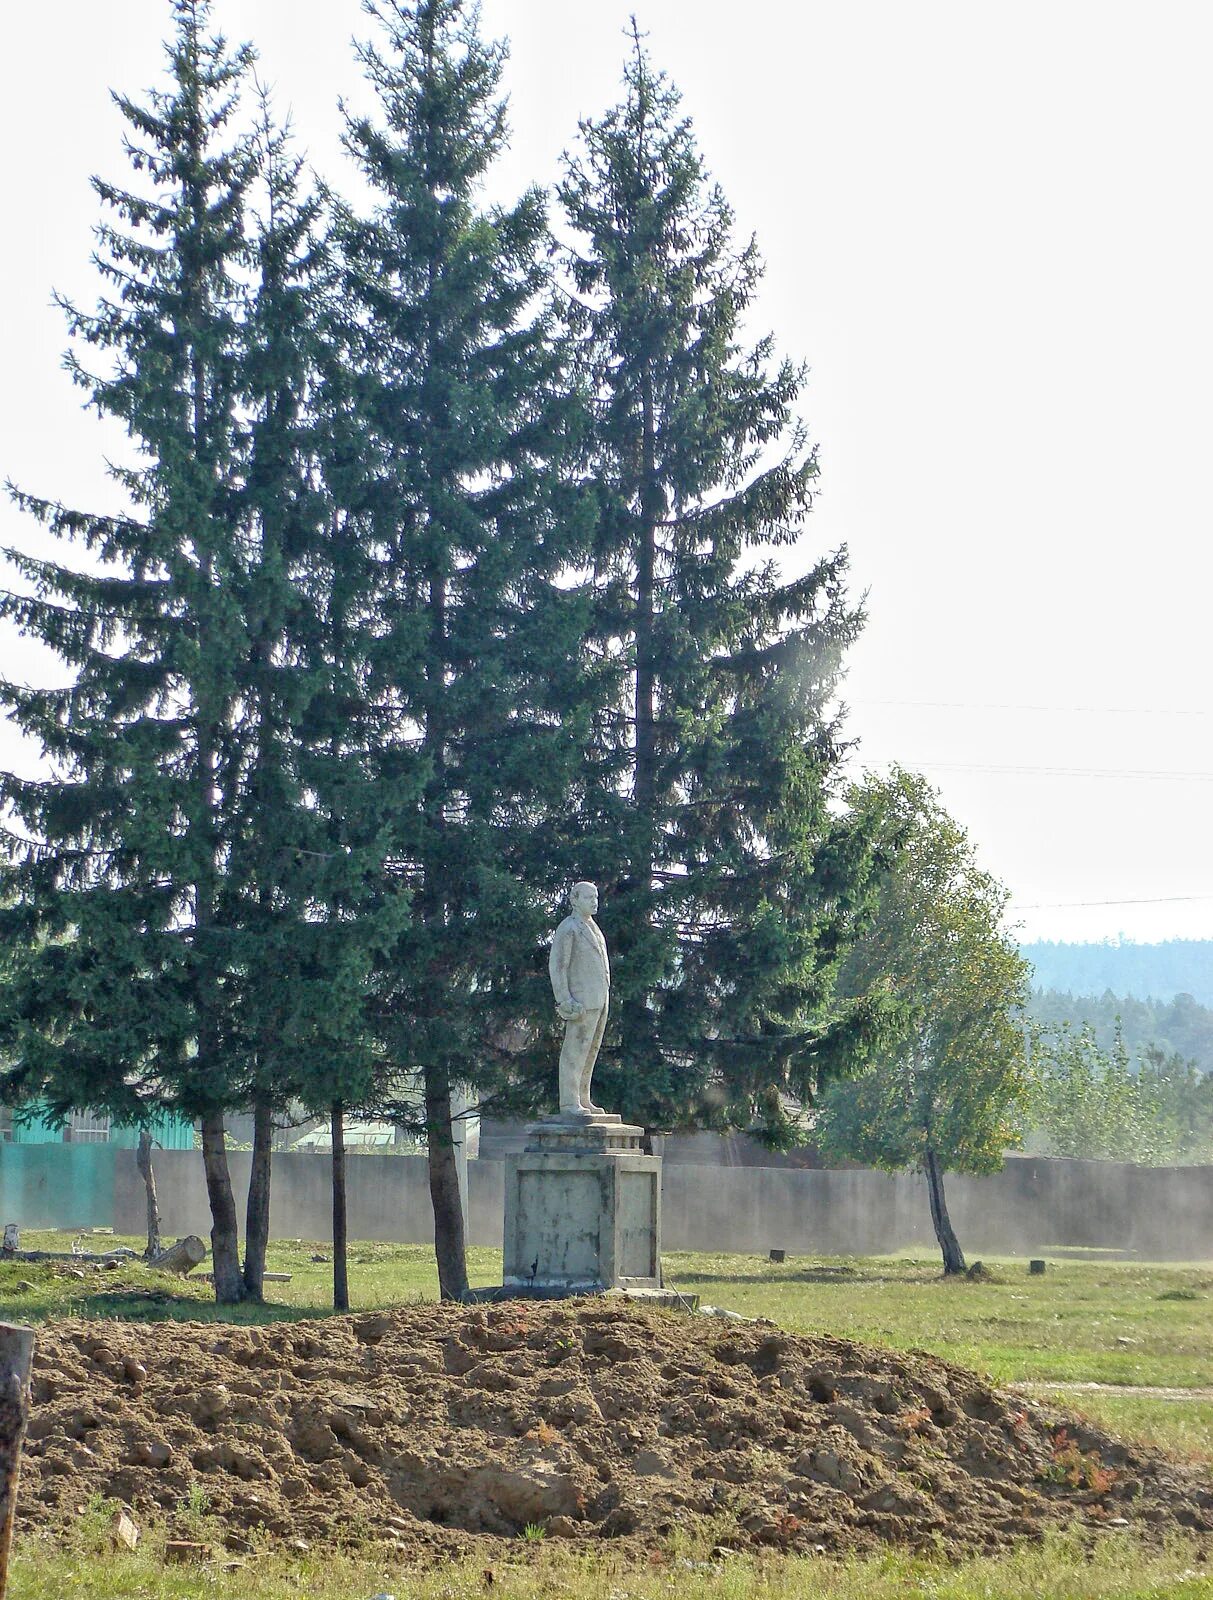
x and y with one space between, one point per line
1159 900
1052 772
972 705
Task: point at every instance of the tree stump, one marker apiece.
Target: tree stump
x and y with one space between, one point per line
16 1356
143 1161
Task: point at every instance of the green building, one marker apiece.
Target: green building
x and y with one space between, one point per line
25 1126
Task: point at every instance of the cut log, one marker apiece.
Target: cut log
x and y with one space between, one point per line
186 1550
16 1355
181 1257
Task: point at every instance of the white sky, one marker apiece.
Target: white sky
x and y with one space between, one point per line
987 230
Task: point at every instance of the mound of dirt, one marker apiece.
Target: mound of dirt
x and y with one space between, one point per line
436 1428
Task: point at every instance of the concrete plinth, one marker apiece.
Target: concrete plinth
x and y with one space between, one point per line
583 1208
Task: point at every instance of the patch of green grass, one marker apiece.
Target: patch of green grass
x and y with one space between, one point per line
1067 1325
1117 1568
380 1275
1182 1427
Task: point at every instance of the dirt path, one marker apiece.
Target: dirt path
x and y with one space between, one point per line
1148 1390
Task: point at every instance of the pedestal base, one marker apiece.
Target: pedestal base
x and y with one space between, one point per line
583 1208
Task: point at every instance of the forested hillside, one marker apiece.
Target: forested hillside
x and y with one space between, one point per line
1176 1027
1161 971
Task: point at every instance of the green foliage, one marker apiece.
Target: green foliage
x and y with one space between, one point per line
1090 1102
451 419
113 982
368 672
1181 1026
448 385
952 1077
729 881
1058 1568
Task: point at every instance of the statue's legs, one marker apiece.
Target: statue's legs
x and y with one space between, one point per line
591 1056
582 1037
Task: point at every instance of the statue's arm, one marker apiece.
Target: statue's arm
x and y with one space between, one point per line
558 968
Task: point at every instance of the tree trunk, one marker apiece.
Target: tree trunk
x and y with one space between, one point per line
449 1245
225 1233
143 1160
341 1277
16 1357
257 1212
953 1256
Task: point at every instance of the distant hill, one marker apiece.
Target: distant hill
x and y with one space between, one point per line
1158 971
1176 1027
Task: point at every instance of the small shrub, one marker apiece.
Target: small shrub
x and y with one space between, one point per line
915 1419
1076 1469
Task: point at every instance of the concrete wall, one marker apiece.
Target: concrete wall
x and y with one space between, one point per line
388 1196
1033 1204
1161 1213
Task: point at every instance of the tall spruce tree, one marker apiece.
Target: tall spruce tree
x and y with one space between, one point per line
304 877
118 896
187 926
730 882
457 397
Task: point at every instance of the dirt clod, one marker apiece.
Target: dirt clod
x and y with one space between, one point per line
438 1429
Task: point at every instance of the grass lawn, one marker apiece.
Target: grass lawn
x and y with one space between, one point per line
1086 1321
1127 1325
1117 1569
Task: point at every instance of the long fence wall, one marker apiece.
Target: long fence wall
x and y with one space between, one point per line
1161 1213
1034 1203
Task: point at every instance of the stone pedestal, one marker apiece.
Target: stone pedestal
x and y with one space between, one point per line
583 1208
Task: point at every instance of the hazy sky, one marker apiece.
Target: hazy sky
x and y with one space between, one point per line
987 231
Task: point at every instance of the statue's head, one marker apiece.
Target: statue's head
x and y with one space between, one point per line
583 897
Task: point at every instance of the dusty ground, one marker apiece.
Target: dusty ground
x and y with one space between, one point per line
436 1428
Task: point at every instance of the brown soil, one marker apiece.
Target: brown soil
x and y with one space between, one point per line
441 1429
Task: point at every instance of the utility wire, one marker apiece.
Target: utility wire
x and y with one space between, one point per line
971 705
1050 772
1060 905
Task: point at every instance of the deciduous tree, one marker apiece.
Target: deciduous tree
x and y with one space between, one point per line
946 1089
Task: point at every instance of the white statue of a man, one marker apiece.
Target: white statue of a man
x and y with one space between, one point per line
581 982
